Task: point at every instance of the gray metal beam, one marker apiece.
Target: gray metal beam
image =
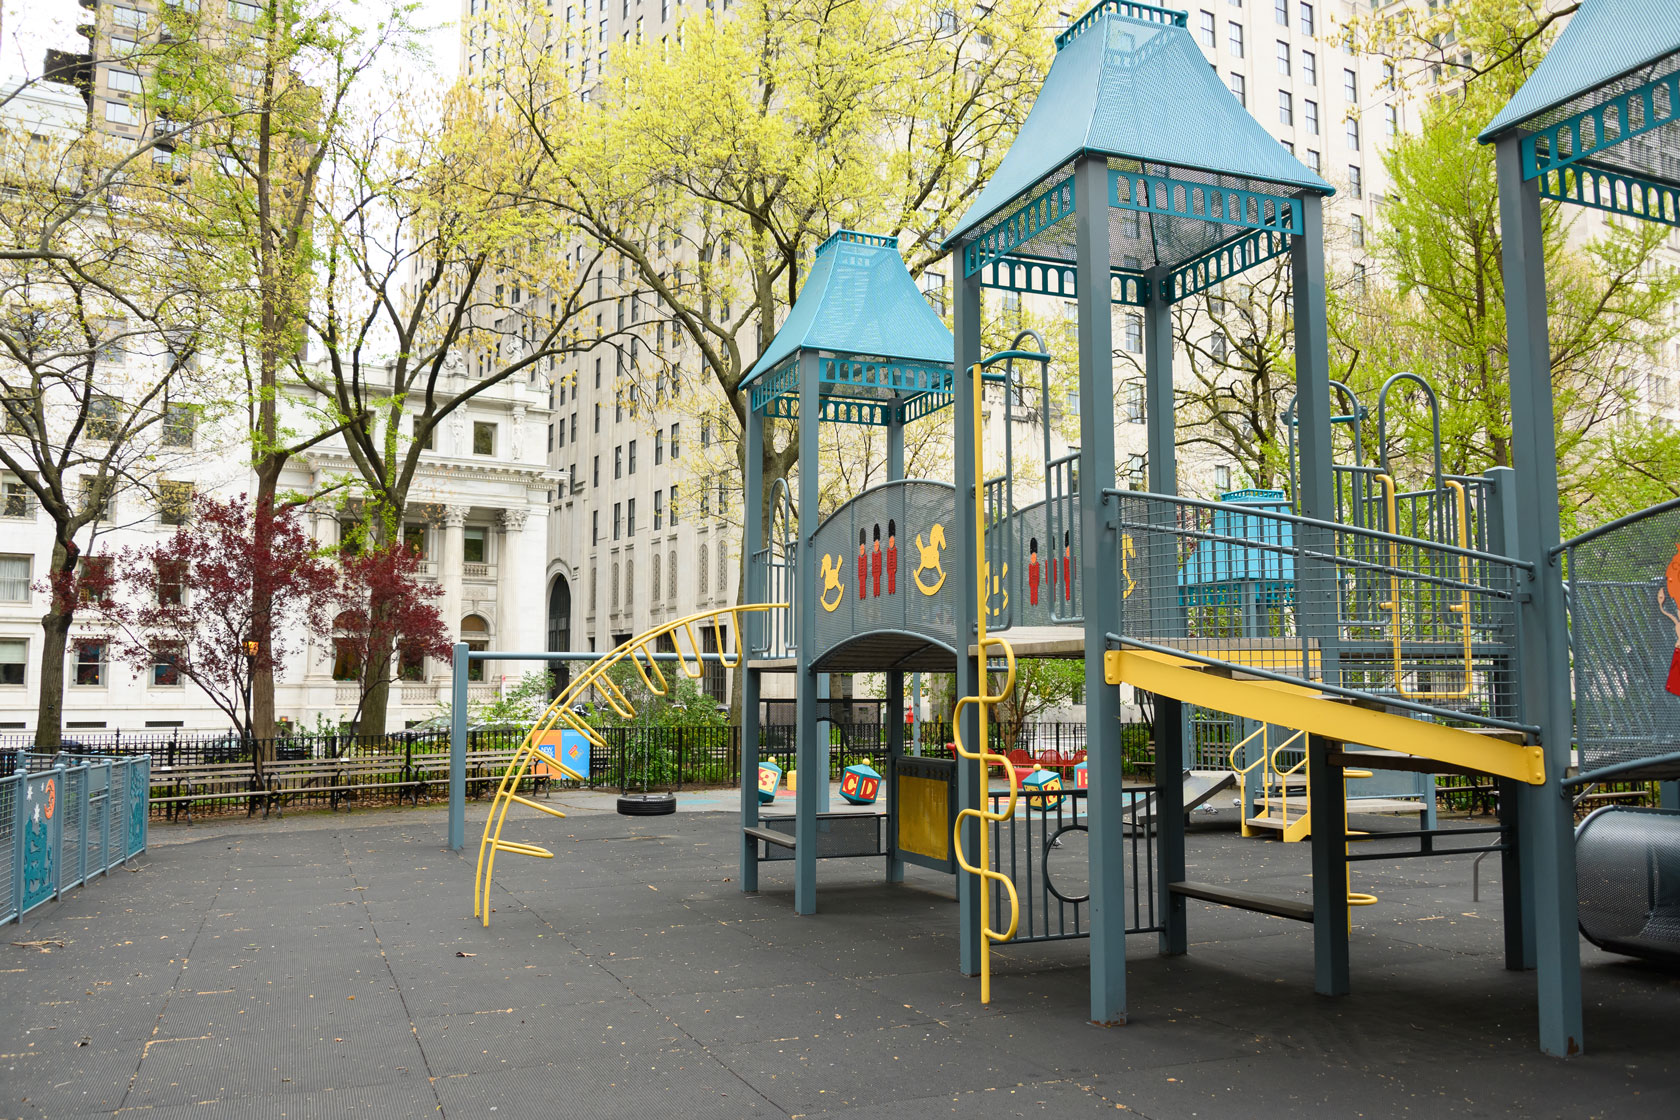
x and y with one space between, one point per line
458 749
1546 823
1329 870
752 624
809 755
1516 873
959 562
1099 567
895 751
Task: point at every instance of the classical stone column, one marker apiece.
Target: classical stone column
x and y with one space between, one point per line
507 585
449 568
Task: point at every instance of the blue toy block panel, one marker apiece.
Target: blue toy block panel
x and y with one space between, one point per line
769 777
860 784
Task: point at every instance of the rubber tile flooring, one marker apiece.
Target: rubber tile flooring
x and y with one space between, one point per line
319 968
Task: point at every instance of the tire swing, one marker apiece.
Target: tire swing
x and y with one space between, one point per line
644 803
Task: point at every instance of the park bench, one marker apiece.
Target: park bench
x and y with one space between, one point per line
340 778
177 788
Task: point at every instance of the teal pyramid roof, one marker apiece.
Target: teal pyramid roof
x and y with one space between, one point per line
1605 41
859 300
1130 82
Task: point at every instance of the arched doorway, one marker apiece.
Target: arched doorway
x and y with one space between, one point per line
559 632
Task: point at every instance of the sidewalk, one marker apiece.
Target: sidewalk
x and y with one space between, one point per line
328 966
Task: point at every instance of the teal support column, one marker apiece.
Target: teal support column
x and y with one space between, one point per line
1668 795
1317 591
959 566
458 749
1097 578
826 724
895 751
1329 870
1169 816
1546 827
753 626
811 764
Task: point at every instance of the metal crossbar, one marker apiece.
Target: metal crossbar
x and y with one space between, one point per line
1421 626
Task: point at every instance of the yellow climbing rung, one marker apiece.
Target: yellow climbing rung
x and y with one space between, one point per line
521 849
536 805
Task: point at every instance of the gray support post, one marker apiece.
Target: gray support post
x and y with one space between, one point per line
1668 795
895 751
1329 870
1169 815
1315 491
1158 386
895 444
825 740
959 561
809 757
916 717
1516 873
753 536
458 749
1099 560
1547 821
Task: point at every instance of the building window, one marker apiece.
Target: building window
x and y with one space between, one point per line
1222 473
1356 182
1286 108
675 437
618 462
102 418
1283 58
1239 88
475 632
597 417
658 513
1137 472
122 81
1207 32
89 668
1132 407
171 582
94 582
16 498
1392 114
14 655
1358 231
1315 161
632 457
1309 67
245 13
484 437
180 421
473 545
1216 345
630 517
658 448
671 500
166 666
594 526
1282 13
1353 134
1309 113
129 17
414 539
618 520
1134 333
1235 38
1307 19
175 502
1350 86
14 579
597 471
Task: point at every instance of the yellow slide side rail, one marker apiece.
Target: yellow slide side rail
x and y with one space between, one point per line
559 716
1460 608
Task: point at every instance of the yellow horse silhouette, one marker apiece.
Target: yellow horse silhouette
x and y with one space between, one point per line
929 561
831 566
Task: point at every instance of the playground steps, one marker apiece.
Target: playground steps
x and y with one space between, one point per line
1293 818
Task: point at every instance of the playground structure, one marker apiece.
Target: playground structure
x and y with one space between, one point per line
1402 633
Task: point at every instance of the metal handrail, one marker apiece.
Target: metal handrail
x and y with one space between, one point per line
1610 526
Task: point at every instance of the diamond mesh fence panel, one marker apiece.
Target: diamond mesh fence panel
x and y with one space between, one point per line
1624 607
97 810
1627 873
8 868
117 808
70 854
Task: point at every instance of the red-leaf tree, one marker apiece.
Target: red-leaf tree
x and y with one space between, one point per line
184 607
386 620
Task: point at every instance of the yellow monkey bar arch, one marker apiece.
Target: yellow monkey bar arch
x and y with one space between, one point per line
639 651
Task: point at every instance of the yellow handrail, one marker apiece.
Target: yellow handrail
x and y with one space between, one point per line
559 713
1462 607
1283 776
982 700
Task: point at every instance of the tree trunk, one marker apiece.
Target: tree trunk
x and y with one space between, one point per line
263 716
55 628
384 530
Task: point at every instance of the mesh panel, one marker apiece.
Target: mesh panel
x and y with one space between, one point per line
1625 631
117 800
98 807
1654 154
70 849
8 872
1627 872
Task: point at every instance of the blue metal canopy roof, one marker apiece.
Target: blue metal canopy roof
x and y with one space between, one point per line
1130 83
1606 40
859 301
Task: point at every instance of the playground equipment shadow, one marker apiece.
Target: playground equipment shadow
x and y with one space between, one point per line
298 968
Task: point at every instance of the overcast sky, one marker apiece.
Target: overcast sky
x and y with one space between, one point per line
32 26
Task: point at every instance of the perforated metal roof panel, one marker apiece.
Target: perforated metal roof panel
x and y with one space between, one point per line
1604 41
859 300
1130 82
